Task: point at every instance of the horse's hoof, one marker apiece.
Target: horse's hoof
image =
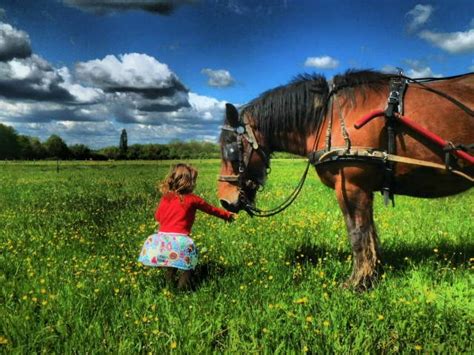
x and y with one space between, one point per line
346 285
362 284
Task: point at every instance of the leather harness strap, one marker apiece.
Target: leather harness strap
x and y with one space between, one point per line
394 105
373 155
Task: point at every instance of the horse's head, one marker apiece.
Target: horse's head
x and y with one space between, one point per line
245 161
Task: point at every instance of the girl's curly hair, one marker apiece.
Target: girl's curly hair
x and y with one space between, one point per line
180 180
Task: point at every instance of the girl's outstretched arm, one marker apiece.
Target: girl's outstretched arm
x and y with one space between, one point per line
206 207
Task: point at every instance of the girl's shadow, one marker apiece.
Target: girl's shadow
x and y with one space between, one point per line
399 258
204 272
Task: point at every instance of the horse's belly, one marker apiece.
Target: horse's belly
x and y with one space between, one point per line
427 182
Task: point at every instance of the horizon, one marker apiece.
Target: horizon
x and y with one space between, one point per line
163 70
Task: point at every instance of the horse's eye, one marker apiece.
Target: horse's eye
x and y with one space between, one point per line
230 152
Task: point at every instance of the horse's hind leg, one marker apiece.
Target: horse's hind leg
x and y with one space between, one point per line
357 207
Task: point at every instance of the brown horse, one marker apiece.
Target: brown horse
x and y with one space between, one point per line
313 118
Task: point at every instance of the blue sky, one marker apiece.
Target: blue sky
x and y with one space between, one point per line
164 69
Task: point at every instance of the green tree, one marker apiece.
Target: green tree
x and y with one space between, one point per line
80 152
9 148
110 153
123 145
134 152
25 148
56 147
38 149
30 148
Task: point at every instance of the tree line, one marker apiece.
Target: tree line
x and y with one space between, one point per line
15 146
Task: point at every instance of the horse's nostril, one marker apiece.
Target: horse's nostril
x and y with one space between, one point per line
225 204
232 207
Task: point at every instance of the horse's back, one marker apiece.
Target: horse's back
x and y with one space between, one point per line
461 88
447 115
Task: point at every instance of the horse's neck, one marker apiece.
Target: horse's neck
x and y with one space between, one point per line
289 142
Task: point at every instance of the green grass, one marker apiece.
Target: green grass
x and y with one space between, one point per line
70 281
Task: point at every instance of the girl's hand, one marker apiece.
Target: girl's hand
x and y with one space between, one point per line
233 217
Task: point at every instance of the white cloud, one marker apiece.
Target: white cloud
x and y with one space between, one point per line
389 69
425 72
32 78
134 70
44 111
324 62
218 78
13 43
202 110
81 94
207 107
93 134
419 15
420 70
453 42
205 103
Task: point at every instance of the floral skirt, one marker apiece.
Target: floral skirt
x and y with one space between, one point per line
169 250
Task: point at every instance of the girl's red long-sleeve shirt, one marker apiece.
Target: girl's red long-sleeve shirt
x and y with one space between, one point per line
176 215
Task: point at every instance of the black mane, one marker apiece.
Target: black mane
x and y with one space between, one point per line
300 105
290 107
370 78
362 79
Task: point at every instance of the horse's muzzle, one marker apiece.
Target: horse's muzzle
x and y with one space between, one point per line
231 206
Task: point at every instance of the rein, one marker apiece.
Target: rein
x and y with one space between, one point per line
254 211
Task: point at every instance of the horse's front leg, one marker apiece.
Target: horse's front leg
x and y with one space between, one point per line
357 206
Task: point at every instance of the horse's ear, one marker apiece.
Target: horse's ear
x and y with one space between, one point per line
231 115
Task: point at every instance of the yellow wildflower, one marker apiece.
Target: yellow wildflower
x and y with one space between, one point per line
302 300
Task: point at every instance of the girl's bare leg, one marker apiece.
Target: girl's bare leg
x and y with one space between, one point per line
184 282
170 274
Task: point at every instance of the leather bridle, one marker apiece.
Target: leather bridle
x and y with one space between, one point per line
241 154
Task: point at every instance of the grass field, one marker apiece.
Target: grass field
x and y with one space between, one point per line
70 281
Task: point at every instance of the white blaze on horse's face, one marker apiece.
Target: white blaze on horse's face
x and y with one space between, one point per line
228 192
227 187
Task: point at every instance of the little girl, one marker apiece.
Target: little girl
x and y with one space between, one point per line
172 247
